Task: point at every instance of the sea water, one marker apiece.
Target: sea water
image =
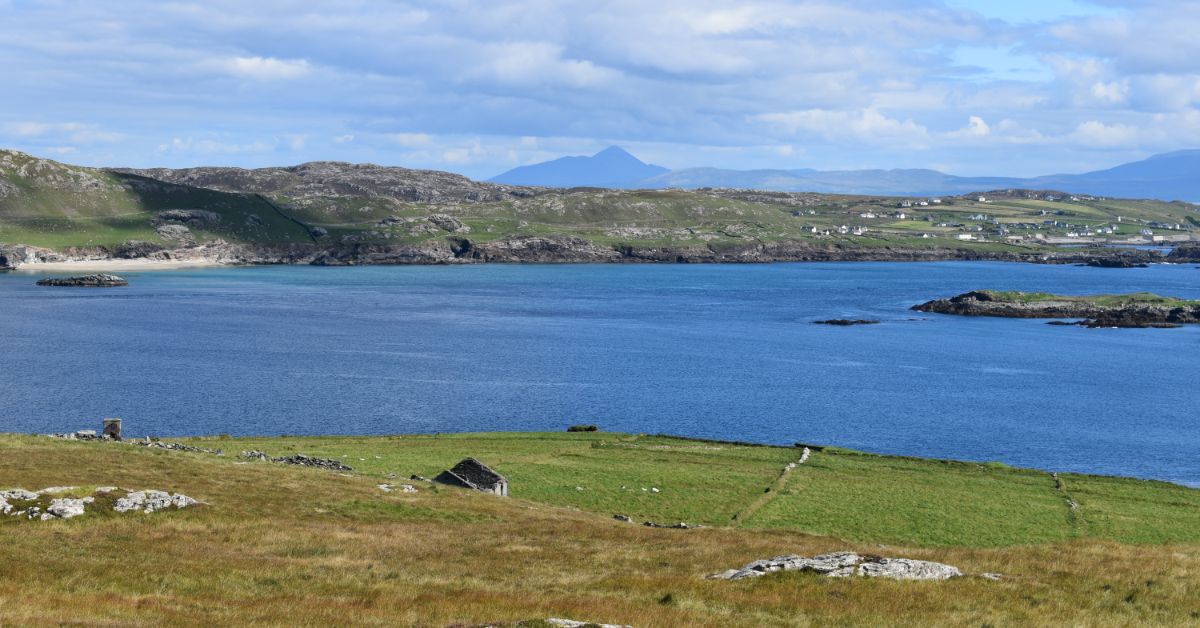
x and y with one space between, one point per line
715 351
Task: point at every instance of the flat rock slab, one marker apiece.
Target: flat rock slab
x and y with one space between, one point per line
845 564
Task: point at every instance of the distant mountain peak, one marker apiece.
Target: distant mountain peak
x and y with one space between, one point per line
616 151
613 167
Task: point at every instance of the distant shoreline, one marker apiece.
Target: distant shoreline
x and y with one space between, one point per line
116 265
555 249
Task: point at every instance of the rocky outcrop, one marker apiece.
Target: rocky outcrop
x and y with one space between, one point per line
152 501
327 180
1135 312
42 506
845 564
449 223
176 233
85 281
137 249
1115 262
156 444
571 623
1186 253
13 256
199 218
539 249
298 459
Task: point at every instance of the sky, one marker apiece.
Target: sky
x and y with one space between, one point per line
970 87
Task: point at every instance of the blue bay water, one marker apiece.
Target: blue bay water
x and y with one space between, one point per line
717 351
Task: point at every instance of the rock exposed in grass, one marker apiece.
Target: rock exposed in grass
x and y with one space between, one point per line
298 459
66 508
33 505
670 526
84 281
844 564
571 623
152 501
176 447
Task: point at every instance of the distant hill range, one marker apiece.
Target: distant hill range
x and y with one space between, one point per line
1169 176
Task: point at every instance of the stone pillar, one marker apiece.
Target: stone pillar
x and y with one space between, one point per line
112 429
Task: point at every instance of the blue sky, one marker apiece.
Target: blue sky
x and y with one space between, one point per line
966 86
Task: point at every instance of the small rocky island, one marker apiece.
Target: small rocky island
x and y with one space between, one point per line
1140 309
85 281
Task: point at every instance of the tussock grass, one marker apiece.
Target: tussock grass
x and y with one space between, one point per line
282 545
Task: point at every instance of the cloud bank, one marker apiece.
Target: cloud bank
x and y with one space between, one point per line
479 87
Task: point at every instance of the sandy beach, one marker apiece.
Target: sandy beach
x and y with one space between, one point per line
115 266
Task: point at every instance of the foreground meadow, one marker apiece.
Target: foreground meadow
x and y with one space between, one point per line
284 545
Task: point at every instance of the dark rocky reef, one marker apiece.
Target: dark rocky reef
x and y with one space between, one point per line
846 322
1186 253
1132 312
1115 262
84 281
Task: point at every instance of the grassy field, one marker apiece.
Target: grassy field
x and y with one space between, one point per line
282 545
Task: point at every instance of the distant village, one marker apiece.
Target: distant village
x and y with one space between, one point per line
1010 222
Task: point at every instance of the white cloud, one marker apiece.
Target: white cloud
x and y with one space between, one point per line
207 146
977 127
693 81
266 68
410 140
532 63
1096 134
72 131
867 125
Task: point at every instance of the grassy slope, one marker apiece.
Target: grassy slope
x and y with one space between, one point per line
285 545
112 214
1107 300
63 206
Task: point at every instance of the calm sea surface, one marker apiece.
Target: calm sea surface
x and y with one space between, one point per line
713 351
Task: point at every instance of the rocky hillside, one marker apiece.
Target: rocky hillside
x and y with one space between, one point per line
327 180
339 213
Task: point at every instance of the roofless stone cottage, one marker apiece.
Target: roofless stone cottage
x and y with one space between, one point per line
473 474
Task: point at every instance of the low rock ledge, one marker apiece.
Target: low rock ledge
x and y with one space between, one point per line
845 564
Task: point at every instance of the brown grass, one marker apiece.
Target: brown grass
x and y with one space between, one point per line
277 545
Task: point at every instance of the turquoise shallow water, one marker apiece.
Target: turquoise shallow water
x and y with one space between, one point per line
722 351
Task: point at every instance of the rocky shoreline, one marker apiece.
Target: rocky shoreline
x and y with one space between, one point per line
1134 311
544 249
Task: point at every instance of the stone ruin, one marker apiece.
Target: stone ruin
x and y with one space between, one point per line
473 474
